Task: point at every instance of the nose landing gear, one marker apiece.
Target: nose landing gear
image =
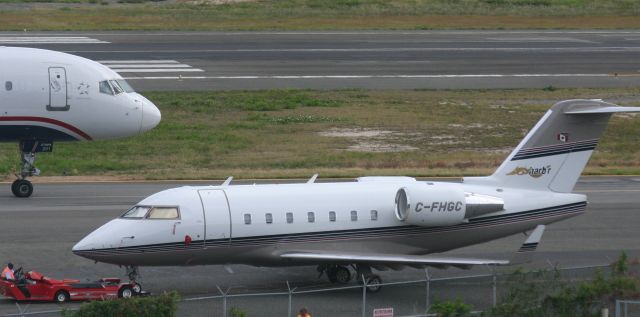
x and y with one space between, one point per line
21 187
132 273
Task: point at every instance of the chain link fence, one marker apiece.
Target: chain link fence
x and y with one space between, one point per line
407 298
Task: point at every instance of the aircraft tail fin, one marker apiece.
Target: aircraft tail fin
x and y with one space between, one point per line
554 153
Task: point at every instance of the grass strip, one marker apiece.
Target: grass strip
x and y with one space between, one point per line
344 133
321 15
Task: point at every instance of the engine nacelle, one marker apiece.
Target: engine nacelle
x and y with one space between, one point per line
432 205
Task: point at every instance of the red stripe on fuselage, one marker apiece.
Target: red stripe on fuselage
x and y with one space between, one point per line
50 121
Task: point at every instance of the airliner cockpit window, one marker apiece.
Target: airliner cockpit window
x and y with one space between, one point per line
105 88
116 87
163 213
136 212
124 85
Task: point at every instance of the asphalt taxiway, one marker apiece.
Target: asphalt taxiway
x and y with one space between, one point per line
38 233
356 59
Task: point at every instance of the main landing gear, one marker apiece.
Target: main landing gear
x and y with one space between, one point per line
21 187
342 274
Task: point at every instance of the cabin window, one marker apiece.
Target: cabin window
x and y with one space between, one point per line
8 86
332 216
354 215
374 215
289 217
247 219
268 218
136 212
311 216
105 88
163 213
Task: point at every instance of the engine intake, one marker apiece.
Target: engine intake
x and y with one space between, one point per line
432 205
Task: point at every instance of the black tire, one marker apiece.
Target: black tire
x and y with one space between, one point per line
61 296
342 274
13 187
137 288
22 188
373 284
331 274
125 292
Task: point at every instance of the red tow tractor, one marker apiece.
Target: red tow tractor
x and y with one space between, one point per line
33 286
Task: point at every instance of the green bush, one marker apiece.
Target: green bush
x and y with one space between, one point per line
545 294
155 306
451 308
237 312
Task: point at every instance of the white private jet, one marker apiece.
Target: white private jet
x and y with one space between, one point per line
376 222
48 96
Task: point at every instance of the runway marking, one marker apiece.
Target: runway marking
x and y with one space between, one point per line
149 66
372 76
156 61
84 197
385 49
538 39
49 40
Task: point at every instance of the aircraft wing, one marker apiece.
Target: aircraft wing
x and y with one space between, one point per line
394 260
389 260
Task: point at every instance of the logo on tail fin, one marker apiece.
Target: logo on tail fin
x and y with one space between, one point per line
563 137
531 171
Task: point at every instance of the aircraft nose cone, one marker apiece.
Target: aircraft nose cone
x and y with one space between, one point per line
150 116
83 245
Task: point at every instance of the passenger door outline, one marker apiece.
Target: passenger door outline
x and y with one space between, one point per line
216 213
58 92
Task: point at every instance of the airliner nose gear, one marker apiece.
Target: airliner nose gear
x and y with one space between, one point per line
21 187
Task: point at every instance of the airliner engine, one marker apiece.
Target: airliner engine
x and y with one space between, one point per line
431 205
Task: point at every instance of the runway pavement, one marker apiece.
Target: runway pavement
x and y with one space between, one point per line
368 59
38 233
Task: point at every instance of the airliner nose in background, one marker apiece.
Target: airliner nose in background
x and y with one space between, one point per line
48 96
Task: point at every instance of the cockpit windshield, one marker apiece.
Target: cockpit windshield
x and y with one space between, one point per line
115 87
136 212
152 212
124 85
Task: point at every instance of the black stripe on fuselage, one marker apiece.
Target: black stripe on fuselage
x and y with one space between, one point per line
14 133
325 236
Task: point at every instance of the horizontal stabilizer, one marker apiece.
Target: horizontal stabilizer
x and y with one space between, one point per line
587 109
388 259
525 253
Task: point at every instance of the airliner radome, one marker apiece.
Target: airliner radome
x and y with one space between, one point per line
48 96
374 223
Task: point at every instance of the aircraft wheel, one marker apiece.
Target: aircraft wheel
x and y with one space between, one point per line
331 274
13 187
61 297
342 274
374 284
137 288
22 188
125 292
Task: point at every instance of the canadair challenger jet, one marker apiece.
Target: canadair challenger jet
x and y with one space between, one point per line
376 222
48 96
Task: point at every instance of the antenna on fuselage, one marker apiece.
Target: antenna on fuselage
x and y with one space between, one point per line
227 181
